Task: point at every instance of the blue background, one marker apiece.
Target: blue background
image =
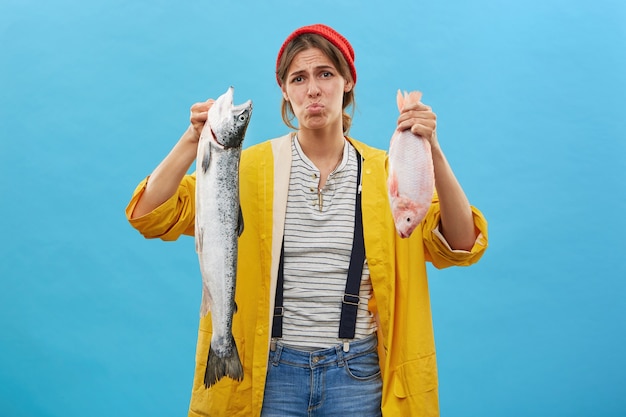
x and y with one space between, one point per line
95 320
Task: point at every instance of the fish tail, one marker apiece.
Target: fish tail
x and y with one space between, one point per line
400 100
218 367
407 98
413 97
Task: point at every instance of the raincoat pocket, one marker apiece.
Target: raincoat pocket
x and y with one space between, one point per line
415 377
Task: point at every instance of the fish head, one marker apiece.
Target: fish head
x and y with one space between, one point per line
229 122
406 216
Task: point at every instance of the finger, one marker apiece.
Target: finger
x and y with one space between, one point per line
203 106
200 112
416 106
417 117
417 123
404 125
199 116
424 131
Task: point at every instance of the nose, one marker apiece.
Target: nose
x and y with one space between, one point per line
314 90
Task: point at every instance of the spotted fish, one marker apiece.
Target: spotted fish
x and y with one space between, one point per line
219 224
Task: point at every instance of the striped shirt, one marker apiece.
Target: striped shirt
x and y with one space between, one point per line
319 229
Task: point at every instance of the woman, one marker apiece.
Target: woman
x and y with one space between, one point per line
302 206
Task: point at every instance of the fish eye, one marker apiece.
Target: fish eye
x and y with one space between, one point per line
242 117
408 220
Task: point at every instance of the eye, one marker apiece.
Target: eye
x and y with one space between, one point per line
327 74
408 220
242 117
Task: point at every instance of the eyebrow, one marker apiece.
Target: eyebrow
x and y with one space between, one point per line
318 68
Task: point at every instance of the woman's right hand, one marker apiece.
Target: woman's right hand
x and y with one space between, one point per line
166 177
198 115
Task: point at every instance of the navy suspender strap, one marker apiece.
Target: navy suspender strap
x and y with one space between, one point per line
350 301
277 324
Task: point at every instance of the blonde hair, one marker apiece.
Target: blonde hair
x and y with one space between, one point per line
308 41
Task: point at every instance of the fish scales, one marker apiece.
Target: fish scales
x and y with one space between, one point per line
411 175
219 224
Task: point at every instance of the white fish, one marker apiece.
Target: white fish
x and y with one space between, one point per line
411 180
219 224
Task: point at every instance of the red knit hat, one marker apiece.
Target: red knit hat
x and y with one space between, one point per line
330 35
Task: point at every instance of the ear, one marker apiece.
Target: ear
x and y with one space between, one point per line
285 96
348 86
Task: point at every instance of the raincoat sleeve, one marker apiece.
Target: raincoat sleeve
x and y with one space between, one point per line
174 217
437 250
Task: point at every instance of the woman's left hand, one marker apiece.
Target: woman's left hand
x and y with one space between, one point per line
457 223
420 120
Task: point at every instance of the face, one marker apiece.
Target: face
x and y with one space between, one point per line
315 89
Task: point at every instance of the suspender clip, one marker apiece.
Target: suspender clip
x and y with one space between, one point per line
351 299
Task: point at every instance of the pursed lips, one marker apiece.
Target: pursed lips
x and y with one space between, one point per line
314 107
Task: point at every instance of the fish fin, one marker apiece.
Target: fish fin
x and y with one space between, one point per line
392 185
400 100
413 97
218 367
199 235
240 222
205 302
206 160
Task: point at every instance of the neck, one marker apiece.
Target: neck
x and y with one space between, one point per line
321 144
325 151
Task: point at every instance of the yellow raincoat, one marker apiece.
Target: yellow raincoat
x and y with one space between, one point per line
397 269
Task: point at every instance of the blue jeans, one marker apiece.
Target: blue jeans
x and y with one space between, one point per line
328 382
